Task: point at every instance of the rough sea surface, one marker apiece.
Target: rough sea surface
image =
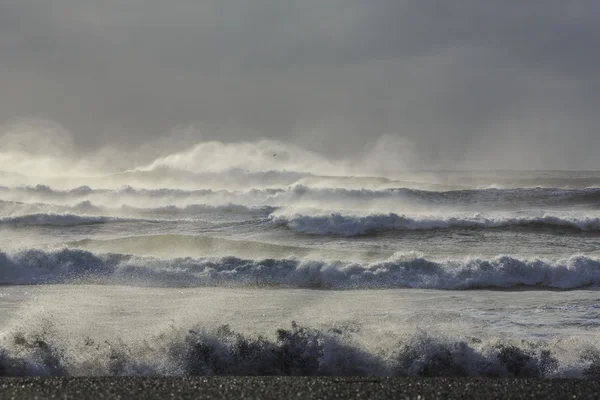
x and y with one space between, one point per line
166 270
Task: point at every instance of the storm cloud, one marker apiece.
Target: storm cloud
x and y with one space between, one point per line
466 83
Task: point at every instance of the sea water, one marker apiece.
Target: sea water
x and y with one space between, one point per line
174 271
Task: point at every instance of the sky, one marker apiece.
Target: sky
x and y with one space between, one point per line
440 84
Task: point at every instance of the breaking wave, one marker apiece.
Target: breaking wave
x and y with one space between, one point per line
355 225
400 271
296 350
314 222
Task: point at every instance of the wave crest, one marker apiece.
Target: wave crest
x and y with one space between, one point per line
355 225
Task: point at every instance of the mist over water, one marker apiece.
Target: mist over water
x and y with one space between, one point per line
398 188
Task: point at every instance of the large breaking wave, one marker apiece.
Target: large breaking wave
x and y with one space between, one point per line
296 350
400 271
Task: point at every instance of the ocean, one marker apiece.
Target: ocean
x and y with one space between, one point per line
250 271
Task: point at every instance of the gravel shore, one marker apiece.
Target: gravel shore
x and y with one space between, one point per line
285 387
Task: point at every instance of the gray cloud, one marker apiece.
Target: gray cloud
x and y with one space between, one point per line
469 83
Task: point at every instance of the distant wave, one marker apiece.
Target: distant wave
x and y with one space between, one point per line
194 209
350 225
292 350
18 213
47 192
300 194
69 265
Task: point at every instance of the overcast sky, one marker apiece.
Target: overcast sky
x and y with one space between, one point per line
511 83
